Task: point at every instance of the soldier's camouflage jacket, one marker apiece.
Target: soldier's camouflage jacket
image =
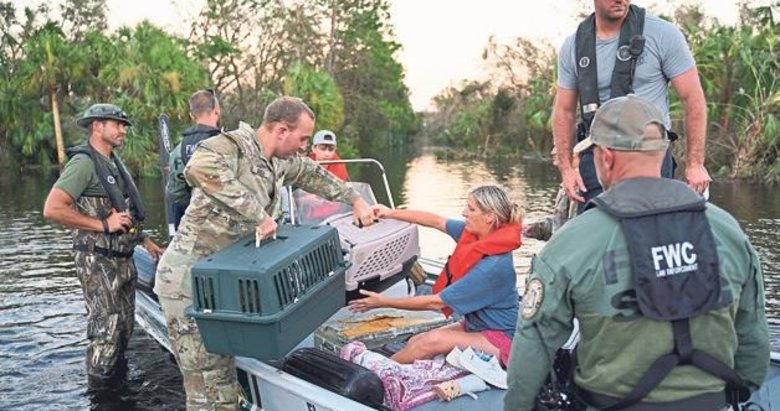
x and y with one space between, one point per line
234 188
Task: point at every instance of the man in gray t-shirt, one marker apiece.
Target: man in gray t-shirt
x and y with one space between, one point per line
666 57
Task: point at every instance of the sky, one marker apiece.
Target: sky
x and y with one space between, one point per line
442 40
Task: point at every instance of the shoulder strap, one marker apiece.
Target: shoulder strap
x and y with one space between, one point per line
132 191
587 71
631 45
109 183
683 354
246 148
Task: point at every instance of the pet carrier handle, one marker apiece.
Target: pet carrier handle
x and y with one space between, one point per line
264 241
359 223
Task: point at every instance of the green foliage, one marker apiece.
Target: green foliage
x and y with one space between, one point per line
33 69
469 124
738 68
508 114
464 117
154 75
361 59
322 95
281 46
143 70
238 43
320 92
338 55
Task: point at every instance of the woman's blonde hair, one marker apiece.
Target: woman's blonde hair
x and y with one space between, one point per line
493 199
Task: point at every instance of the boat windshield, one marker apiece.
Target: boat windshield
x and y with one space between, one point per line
313 209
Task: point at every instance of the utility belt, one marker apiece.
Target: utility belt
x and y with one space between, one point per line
707 402
105 252
582 132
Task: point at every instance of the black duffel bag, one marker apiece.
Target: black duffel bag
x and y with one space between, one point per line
335 374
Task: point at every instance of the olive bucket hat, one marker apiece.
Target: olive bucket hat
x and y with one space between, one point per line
103 112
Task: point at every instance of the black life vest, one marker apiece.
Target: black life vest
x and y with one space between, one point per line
675 269
109 181
630 47
192 137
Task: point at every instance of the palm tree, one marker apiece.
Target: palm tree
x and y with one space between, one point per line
154 76
51 64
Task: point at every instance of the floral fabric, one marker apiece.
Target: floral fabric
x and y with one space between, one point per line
406 385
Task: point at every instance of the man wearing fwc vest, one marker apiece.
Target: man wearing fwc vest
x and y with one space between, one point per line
619 50
205 111
668 291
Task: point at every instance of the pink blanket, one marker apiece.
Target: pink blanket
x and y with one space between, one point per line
406 385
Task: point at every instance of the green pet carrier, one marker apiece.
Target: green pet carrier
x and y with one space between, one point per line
261 302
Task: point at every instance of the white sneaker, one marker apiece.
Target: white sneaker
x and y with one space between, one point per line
468 385
453 358
484 366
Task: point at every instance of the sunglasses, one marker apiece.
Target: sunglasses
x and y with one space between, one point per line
214 99
109 112
116 115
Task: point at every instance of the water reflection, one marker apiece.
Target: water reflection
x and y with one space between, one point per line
757 208
42 323
442 188
42 328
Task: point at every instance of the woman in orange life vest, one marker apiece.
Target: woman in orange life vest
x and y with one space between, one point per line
477 283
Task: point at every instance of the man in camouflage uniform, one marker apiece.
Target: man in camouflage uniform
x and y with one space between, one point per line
667 289
543 227
237 179
205 111
564 209
97 197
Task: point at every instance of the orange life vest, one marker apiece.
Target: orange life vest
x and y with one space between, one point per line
470 250
339 169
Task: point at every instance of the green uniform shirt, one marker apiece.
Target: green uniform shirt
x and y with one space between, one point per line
79 177
177 189
584 272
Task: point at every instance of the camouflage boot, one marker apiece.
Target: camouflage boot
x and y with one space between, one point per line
564 209
209 379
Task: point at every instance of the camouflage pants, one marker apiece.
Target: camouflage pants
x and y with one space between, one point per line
564 210
108 285
209 379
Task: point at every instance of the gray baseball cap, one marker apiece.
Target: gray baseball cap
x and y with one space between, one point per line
324 137
620 125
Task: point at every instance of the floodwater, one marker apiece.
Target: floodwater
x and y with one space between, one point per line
42 315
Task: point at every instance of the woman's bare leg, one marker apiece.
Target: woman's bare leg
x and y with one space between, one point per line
441 341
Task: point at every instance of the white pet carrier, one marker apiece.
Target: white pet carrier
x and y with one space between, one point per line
379 251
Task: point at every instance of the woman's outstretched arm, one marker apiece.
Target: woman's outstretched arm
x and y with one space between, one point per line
416 303
423 218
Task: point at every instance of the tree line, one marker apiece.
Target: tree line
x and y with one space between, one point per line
738 65
336 55
339 56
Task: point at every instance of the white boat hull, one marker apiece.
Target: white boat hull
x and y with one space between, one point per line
271 389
